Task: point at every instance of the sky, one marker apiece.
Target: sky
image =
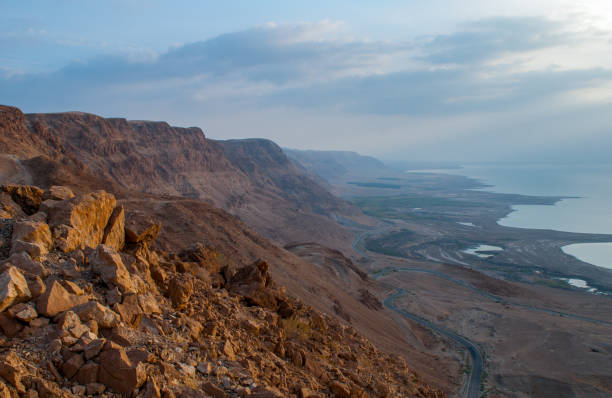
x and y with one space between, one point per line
411 80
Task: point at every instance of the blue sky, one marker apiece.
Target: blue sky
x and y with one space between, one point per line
413 80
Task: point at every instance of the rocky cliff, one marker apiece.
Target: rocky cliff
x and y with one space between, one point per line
152 171
252 179
89 307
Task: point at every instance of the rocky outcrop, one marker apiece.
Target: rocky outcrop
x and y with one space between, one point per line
114 233
148 323
57 299
13 288
248 178
107 263
79 222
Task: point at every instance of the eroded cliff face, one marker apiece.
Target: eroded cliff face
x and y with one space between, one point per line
89 308
153 169
252 179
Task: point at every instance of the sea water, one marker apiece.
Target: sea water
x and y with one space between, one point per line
587 209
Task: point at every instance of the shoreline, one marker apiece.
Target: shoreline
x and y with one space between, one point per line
438 216
601 260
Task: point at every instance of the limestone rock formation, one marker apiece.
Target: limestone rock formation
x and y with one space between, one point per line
114 233
108 264
13 288
143 322
79 222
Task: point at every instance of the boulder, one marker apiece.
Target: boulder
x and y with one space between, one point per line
106 262
24 312
31 237
214 391
9 326
340 390
93 348
13 370
36 252
27 265
33 232
71 366
56 299
8 208
88 373
180 290
102 315
114 233
117 371
200 254
13 288
48 389
36 285
27 197
254 283
80 222
149 304
130 310
58 192
140 227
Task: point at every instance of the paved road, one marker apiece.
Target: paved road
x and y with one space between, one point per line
475 378
489 296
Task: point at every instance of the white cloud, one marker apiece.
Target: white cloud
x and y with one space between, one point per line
492 84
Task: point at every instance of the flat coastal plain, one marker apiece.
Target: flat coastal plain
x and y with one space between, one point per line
538 335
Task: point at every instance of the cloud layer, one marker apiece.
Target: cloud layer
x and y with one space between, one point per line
494 89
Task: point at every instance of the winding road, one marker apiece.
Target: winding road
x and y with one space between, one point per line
477 357
475 378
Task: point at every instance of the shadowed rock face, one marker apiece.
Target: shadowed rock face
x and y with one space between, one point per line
249 178
141 322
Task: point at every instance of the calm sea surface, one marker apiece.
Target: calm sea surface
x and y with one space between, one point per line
590 212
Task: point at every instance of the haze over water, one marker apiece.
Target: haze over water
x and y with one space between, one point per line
589 212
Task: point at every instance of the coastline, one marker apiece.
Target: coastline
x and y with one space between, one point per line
437 217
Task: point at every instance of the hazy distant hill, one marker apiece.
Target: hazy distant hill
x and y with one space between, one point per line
334 165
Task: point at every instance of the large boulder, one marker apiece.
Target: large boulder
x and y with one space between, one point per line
140 227
92 310
202 255
27 197
107 263
13 370
254 283
180 290
57 299
116 370
79 222
27 265
114 233
13 288
32 237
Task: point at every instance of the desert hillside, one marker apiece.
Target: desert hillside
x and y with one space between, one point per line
88 308
182 196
